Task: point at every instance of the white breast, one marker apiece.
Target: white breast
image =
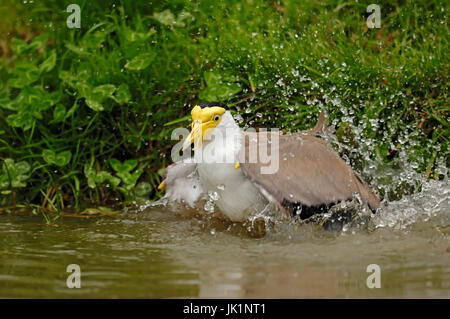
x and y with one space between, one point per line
238 197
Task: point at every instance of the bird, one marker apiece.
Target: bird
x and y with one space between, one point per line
234 168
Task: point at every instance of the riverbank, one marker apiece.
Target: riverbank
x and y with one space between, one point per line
86 114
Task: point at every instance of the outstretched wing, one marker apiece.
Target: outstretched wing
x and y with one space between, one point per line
182 182
309 173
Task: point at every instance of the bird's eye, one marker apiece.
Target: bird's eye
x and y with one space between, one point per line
216 118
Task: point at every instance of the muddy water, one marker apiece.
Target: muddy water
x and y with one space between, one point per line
155 252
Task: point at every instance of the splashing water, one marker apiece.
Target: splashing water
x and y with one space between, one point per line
432 205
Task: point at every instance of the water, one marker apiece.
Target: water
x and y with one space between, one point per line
158 253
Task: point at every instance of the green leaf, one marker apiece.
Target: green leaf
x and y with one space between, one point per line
219 87
68 78
84 90
36 97
22 168
44 104
106 176
115 164
17 173
8 104
181 17
129 179
96 178
127 166
91 175
59 113
165 17
94 40
72 110
122 94
39 41
49 63
98 95
61 159
161 172
77 50
104 91
4 181
94 104
23 120
25 74
134 36
143 189
49 156
141 61
19 46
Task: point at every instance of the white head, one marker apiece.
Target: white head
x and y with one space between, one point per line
213 127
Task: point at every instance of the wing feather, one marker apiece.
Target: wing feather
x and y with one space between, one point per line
309 172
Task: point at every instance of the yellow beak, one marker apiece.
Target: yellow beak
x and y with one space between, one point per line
195 136
202 125
162 185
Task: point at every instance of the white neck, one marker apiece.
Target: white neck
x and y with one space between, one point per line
225 141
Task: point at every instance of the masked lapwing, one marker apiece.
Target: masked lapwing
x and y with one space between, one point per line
245 171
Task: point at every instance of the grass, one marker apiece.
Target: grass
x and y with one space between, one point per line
82 111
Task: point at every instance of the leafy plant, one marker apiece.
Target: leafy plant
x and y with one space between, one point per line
86 108
219 86
123 171
167 18
60 159
95 178
140 62
13 175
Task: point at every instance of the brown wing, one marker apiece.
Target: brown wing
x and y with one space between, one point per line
309 172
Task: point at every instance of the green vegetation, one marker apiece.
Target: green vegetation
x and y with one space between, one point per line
86 114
